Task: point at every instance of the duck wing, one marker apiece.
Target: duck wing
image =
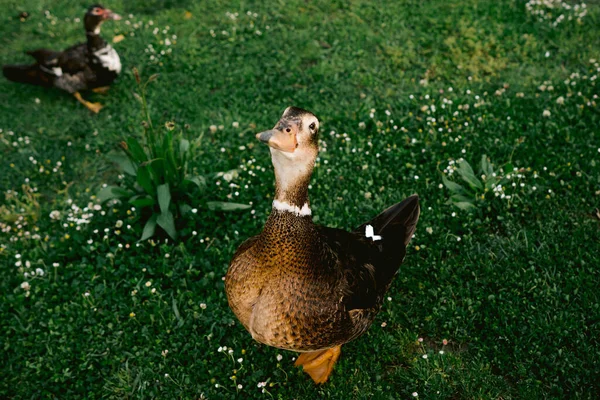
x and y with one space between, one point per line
45 57
74 59
367 265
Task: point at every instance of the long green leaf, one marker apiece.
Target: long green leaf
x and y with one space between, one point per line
164 197
465 206
113 192
142 201
225 206
459 198
124 162
198 180
184 146
452 186
149 228
466 173
144 179
135 150
166 221
486 167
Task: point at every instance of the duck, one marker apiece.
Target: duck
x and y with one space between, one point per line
304 287
93 65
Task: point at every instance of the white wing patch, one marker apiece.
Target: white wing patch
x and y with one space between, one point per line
109 58
56 71
370 233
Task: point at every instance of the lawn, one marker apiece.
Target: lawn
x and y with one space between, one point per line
498 297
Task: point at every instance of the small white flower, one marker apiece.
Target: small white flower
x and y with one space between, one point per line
279 357
55 215
235 124
239 386
148 284
415 394
25 286
203 306
39 271
424 356
546 113
240 360
212 128
429 230
119 224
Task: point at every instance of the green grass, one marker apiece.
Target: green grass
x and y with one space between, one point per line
512 286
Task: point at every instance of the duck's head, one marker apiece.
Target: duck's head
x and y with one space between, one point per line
294 145
95 16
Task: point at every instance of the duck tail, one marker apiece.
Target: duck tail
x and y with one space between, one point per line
31 74
397 223
394 228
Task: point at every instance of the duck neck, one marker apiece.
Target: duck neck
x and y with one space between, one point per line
94 40
291 184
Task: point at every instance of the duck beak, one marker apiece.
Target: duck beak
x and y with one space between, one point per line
108 14
281 138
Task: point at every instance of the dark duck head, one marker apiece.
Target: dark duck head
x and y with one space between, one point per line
95 16
294 147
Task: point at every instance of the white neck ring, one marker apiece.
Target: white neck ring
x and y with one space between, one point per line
287 207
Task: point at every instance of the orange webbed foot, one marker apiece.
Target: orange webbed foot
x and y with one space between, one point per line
101 90
93 107
319 364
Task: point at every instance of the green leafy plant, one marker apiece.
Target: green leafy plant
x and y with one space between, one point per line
158 181
474 189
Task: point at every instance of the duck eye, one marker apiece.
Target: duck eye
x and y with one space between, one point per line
312 126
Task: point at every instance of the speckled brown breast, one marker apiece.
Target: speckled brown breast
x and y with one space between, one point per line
285 287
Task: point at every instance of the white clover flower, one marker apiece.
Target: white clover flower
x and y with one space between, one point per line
25 286
39 271
203 306
55 215
119 224
235 124
546 113
415 394
279 357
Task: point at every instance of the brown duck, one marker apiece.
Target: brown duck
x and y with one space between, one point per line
304 287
